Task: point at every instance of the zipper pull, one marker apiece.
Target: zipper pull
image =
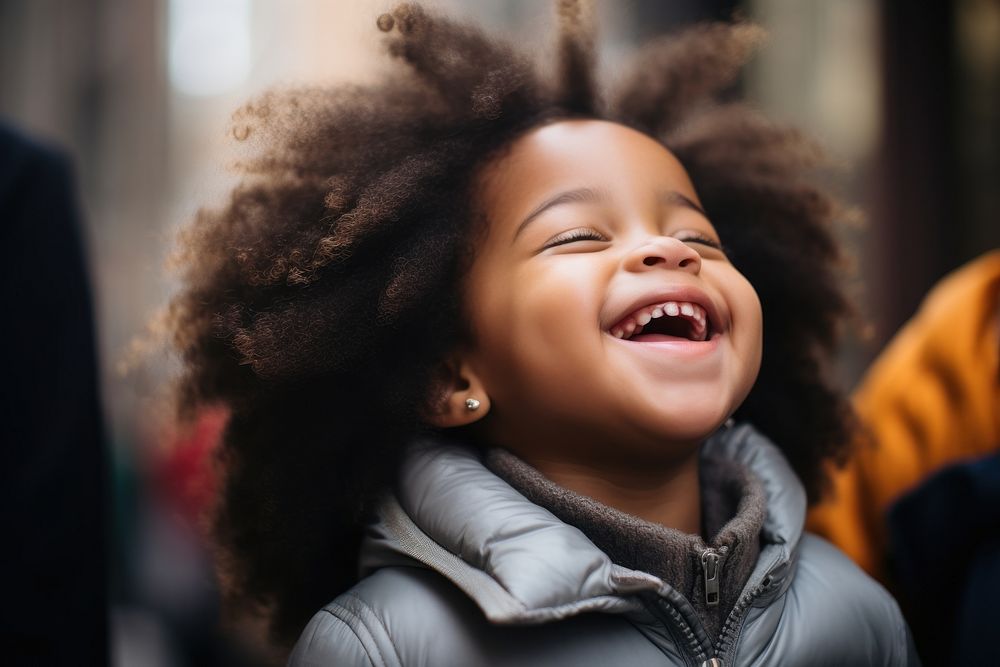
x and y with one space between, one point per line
712 570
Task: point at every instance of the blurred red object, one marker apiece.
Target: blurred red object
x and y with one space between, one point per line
185 476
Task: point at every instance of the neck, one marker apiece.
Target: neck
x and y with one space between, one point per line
668 495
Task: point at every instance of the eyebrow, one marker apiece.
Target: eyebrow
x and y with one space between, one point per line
676 198
579 195
590 195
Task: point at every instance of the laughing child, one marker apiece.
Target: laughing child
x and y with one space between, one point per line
491 343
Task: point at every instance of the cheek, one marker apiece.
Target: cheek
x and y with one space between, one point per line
747 314
532 327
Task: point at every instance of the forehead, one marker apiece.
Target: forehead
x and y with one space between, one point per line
579 154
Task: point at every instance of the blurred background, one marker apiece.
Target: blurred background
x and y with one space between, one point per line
905 96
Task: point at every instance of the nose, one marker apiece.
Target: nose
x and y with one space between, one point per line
663 252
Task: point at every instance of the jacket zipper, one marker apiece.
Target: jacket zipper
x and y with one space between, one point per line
700 651
711 566
732 623
709 655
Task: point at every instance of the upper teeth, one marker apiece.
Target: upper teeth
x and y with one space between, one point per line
635 322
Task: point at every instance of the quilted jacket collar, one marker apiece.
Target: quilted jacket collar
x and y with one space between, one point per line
519 562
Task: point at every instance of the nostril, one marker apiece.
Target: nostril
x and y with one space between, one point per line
686 262
653 261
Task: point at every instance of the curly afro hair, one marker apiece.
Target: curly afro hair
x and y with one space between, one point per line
352 229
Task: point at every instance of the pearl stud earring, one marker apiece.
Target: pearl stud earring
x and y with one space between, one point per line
471 404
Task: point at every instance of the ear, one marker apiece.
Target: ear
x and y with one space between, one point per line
463 396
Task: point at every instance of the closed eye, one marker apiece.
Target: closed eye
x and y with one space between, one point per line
580 234
705 241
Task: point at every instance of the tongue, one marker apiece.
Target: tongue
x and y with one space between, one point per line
656 337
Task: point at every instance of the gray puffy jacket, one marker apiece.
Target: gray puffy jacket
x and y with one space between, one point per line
463 570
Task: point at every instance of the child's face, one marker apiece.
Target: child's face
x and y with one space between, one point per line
593 228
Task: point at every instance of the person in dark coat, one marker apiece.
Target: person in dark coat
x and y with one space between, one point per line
54 610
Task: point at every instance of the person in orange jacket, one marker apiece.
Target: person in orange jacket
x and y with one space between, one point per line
918 506
931 398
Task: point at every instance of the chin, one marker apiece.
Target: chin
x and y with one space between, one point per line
693 424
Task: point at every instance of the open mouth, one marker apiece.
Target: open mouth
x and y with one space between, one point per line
668 321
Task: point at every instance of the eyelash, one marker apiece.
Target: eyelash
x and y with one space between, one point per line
704 240
593 235
577 235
